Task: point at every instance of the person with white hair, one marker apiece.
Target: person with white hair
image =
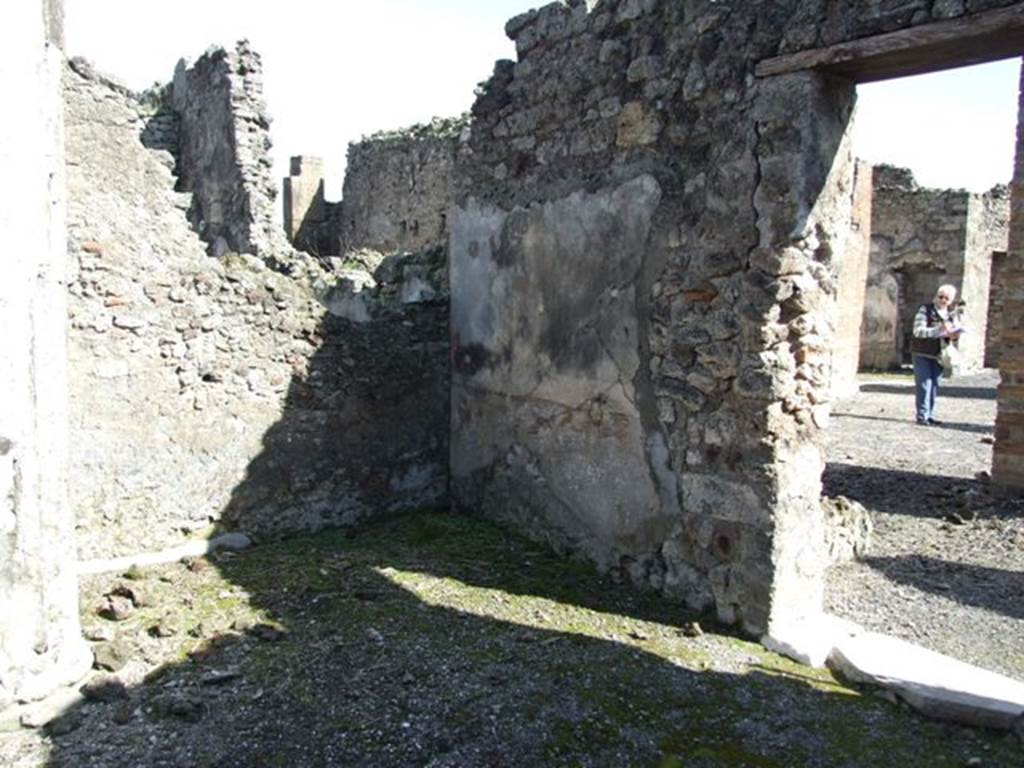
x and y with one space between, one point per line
935 325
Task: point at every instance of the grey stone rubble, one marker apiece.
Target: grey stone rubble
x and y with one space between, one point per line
848 529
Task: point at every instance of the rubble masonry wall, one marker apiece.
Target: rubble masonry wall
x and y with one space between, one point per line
223 145
922 238
211 393
398 189
643 289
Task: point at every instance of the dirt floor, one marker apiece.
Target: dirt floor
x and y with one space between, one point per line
947 566
437 640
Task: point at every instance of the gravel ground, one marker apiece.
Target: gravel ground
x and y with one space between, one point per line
946 569
445 641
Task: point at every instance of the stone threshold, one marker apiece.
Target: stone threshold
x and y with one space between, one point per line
936 685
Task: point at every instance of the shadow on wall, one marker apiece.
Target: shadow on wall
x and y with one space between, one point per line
364 427
445 641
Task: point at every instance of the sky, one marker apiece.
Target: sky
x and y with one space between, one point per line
336 71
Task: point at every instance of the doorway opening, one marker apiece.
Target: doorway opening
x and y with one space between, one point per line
943 567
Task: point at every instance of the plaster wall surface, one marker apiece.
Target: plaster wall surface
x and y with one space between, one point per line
40 642
547 335
305 210
241 392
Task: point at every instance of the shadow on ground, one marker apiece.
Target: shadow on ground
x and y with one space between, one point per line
990 588
981 429
446 641
898 492
945 390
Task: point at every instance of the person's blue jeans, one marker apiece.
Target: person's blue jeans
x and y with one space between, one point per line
927 372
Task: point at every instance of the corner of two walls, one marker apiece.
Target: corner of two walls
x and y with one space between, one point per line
643 302
224 391
397 192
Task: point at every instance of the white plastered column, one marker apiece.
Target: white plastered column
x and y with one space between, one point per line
41 646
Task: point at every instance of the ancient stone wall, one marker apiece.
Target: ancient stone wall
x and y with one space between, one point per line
996 296
852 272
922 238
40 639
1007 463
224 151
643 265
232 392
987 231
639 292
306 213
398 189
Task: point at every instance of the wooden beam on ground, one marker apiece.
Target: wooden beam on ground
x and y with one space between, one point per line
973 39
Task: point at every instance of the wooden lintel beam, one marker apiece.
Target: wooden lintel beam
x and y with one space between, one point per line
980 37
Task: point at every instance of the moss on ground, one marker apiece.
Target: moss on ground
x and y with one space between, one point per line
437 639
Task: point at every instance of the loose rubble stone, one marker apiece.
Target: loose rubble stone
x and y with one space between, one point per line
168 626
116 608
185 706
848 529
105 688
111 656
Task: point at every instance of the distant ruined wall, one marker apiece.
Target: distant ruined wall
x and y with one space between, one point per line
1007 465
306 213
398 189
851 286
987 232
224 156
922 238
40 639
239 392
